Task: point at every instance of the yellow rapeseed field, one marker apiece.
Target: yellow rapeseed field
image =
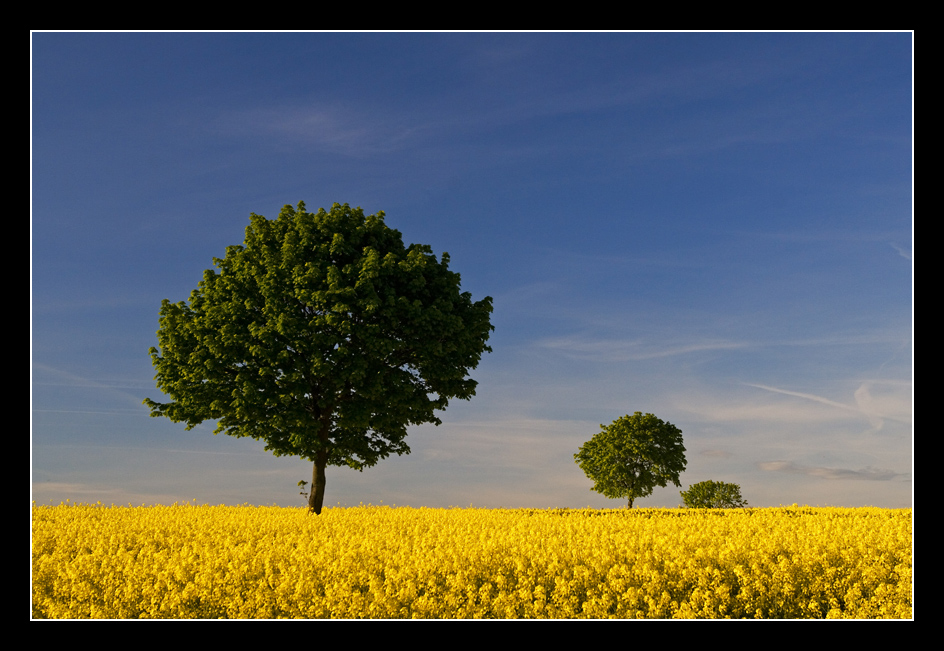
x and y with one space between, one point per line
187 561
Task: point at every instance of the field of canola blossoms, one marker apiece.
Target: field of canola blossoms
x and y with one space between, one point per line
187 561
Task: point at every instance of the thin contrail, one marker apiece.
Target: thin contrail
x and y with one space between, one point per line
808 396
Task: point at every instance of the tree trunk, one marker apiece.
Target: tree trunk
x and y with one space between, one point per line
316 498
630 503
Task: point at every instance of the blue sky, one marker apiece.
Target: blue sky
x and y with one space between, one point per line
714 228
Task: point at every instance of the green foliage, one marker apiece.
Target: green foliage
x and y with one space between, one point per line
713 495
632 456
322 335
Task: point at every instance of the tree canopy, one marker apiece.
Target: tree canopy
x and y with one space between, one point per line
322 335
713 495
633 455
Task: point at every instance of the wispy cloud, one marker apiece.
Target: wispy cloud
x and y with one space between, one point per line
520 443
622 350
868 473
123 391
905 253
720 409
716 454
64 378
332 129
892 403
527 98
603 349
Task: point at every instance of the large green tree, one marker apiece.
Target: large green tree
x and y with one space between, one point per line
633 455
322 335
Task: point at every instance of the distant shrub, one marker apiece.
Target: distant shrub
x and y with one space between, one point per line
713 495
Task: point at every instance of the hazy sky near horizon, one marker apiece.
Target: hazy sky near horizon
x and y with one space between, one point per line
714 228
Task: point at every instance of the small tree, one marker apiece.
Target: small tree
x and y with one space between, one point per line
713 495
632 456
324 336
